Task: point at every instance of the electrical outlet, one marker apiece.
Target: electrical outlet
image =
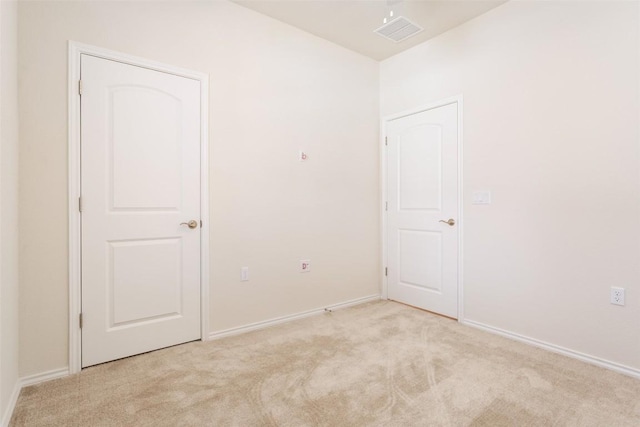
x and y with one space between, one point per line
244 274
617 296
305 265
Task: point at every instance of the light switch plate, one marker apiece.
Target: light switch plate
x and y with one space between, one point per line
481 197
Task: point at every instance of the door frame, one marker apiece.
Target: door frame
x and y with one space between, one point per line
383 193
75 243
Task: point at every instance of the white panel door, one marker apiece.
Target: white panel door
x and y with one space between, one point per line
422 195
140 179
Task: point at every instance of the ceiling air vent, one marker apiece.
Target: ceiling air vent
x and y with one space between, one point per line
398 29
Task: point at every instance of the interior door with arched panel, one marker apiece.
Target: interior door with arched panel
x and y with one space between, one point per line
422 197
140 185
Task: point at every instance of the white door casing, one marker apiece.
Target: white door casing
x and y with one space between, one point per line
422 193
143 152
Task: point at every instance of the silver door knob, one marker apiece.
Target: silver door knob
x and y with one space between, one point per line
451 222
191 224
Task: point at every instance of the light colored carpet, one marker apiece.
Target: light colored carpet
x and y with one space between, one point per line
378 364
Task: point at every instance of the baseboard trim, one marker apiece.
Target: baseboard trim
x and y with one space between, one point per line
26 382
593 360
8 412
271 322
44 376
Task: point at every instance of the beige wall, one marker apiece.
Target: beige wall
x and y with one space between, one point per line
274 90
8 205
551 108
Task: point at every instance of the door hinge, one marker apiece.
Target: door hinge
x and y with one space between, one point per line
79 204
386 206
79 87
385 140
385 271
80 320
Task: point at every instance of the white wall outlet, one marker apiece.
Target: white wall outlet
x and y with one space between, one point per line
617 296
305 265
244 274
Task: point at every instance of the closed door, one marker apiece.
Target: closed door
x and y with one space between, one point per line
140 179
422 195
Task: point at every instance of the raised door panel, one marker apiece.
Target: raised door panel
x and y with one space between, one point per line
420 259
144 281
420 168
145 149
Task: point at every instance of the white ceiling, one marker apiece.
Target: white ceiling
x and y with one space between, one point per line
350 23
